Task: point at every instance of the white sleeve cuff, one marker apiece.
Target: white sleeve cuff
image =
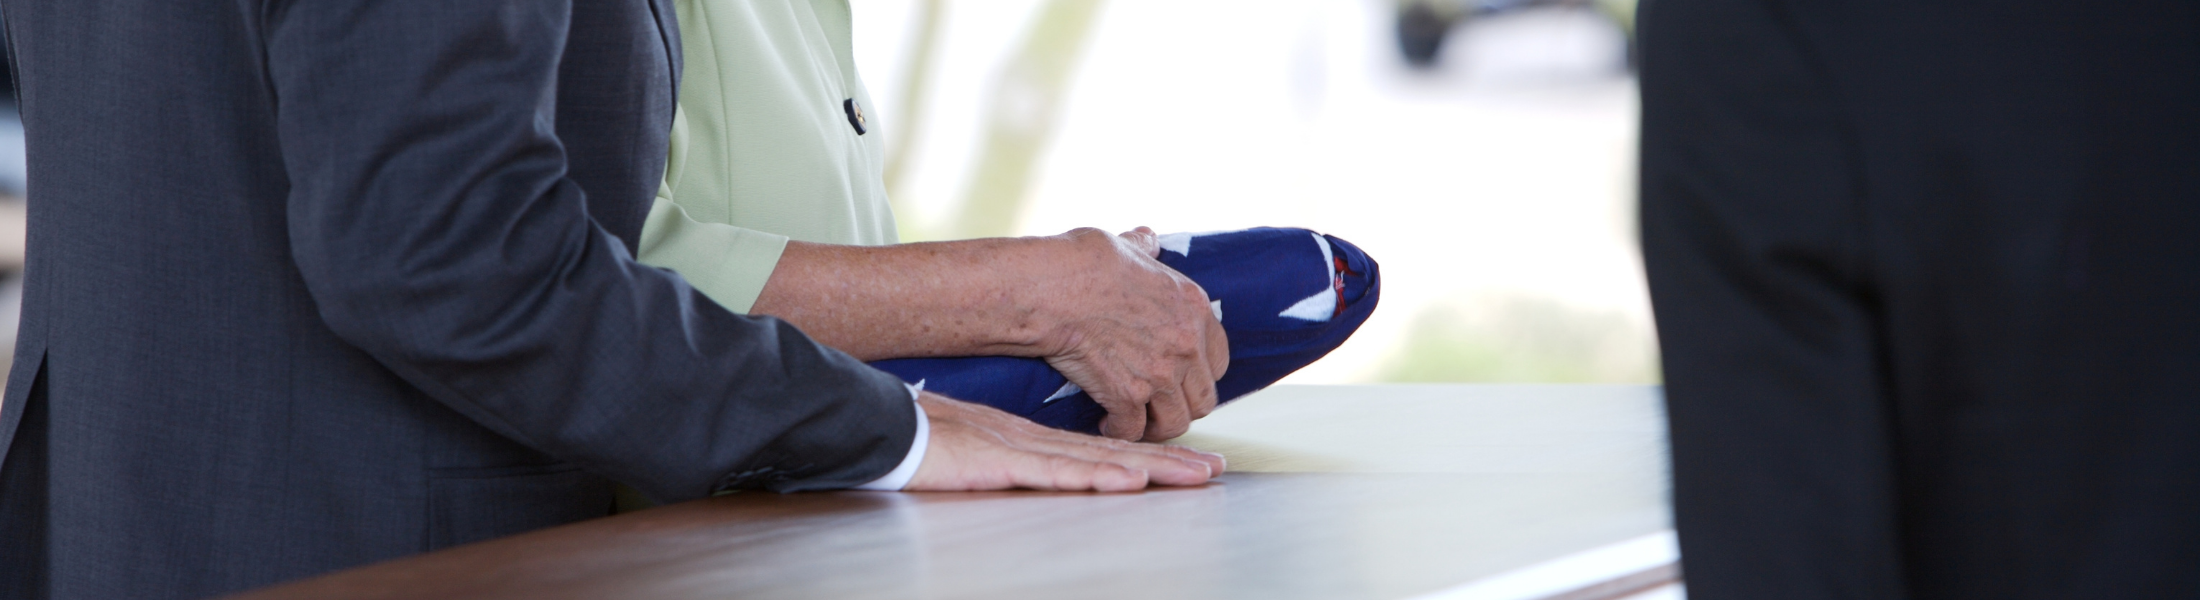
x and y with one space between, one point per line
899 477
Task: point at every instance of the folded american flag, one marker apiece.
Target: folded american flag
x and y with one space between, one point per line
1286 297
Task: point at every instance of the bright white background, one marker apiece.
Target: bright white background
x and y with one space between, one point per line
1496 190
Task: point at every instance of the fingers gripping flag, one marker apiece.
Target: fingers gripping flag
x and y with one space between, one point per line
1286 297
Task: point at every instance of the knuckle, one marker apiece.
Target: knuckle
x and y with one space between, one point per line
1191 293
1063 464
1163 432
1163 385
1140 389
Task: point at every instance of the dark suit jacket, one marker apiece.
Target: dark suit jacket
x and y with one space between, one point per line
314 284
1927 280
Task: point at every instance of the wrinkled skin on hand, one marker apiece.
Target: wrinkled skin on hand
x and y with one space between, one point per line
1136 335
1139 337
975 447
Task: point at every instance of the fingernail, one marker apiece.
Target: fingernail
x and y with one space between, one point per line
1216 463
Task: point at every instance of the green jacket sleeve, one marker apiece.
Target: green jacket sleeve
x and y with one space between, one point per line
762 149
727 263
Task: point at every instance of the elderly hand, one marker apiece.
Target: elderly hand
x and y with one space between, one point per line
975 447
1136 335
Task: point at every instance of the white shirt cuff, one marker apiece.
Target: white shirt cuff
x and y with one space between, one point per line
899 477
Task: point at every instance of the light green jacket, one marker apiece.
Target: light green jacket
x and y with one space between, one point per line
762 151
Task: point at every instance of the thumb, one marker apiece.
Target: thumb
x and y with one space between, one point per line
1144 239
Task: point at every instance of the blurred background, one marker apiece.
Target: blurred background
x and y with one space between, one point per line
1481 150
13 217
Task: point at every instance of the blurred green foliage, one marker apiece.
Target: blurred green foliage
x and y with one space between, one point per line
1513 339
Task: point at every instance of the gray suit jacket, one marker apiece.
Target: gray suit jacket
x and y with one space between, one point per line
314 284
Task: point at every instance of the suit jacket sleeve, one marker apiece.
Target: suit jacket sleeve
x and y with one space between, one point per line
432 220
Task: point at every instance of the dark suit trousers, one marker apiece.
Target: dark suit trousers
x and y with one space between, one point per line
1927 280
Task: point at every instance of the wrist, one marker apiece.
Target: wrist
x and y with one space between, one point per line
1018 289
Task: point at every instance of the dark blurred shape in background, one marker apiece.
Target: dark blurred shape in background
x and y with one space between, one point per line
1424 25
